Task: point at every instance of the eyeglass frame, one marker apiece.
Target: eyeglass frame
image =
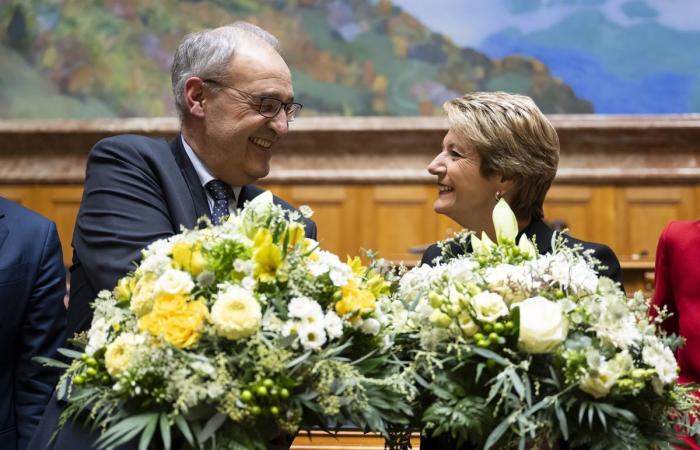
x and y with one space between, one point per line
262 98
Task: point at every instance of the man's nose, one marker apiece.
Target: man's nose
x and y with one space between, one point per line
279 123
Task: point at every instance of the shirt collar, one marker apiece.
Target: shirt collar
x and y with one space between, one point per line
203 173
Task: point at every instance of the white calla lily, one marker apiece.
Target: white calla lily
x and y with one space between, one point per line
504 222
526 248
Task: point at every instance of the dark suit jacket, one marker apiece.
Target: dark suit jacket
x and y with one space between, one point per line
32 287
543 236
137 190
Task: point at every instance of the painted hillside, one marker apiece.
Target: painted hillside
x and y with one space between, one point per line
111 58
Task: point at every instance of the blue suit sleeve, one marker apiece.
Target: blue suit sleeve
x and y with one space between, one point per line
42 332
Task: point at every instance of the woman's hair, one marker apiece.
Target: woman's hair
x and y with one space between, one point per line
513 139
208 53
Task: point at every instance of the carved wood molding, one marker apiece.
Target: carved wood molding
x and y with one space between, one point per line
596 149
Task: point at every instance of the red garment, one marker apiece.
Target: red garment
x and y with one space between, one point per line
678 288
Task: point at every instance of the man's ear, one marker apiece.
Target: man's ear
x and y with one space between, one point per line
194 96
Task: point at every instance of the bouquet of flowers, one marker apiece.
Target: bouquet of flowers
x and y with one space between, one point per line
227 336
519 350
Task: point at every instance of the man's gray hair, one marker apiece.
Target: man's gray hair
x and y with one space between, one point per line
207 54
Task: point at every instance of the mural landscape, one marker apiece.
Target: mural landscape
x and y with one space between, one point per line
111 58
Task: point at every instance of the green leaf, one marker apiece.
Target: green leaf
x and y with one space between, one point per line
298 360
50 362
70 353
563 425
517 382
497 433
165 431
185 429
211 427
148 432
125 430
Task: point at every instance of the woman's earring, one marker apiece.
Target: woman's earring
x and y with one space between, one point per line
498 195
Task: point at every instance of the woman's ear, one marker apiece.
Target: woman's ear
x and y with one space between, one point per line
194 96
504 187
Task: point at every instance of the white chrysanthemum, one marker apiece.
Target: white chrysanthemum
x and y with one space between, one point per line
312 336
489 306
462 271
660 357
249 283
513 283
243 265
121 353
236 313
306 310
174 282
162 246
333 325
97 336
155 264
290 328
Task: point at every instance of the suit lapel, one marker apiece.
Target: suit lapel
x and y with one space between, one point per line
248 192
199 198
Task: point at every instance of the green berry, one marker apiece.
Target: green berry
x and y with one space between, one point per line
479 337
246 396
509 325
487 327
490 363
559 294
256 410
92 362
482 343
493 337
78 380
498 327
105 378
90 372
268 383
274 392
274 410
284 393
261 391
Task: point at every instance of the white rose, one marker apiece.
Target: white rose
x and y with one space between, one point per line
174 282
370 326
489 306
598 382
542 325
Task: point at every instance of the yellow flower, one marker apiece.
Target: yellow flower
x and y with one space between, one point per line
295 234
378 285
142 295
178 321
355 300
356 265
236 313
188 257
124 289
267 257
120 353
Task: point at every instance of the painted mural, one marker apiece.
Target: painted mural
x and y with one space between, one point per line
111 58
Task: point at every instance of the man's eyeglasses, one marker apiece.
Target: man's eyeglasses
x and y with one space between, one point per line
267 106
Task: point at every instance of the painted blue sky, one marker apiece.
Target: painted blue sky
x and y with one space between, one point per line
625 56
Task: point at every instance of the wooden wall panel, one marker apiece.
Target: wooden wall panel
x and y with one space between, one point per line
587 211
24 195
644 212
398 218
61 204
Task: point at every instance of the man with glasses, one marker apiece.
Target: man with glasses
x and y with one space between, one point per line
234 96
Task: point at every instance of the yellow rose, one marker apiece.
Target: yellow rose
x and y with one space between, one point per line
188 257
236 313
120 353
184 327
175 319
142 296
